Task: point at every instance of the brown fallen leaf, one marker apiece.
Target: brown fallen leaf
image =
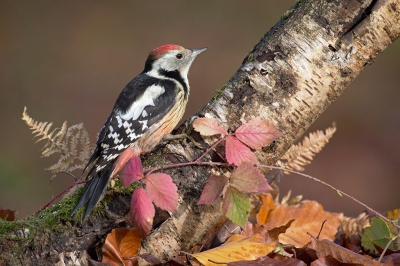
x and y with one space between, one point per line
327 248
309 216
331 261
250 230
276 231
122 246
7 215
266 261
392 259
267 206
236 248
151 259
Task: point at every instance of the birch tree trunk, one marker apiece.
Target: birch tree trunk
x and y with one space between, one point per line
290 77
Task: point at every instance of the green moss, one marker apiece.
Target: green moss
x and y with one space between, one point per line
219 92
6 226
21 234
251 57
287 14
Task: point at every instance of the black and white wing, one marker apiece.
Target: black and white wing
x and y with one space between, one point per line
136 109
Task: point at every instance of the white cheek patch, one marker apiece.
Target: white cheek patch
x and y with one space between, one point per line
147 98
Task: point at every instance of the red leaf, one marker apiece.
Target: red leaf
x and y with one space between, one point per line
249 179
122 159
142 211
208 127
132 171
257 133
237 152
213 189
162 191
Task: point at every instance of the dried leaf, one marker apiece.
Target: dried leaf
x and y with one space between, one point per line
7 215
122 246
326 247
151 259
208 127
392 259
276 231
257 133
65 141
331 261
237 152
302 154
309 217
249 179
162 191
349 231
236 206
267 206
132 171
142 211
252 229
267 261
213 189
237 248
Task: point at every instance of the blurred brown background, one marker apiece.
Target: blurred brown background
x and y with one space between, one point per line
69 60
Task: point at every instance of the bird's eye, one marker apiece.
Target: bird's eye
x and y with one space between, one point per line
179 56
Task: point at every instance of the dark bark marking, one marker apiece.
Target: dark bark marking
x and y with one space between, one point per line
344 72
362 14
242 94
269 55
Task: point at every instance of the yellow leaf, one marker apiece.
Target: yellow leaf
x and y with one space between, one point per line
236 248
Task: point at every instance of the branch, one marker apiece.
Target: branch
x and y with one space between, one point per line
296 71
290 77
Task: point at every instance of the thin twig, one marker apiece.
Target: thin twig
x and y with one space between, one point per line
209 149
196 162
59 195
387 246
332 187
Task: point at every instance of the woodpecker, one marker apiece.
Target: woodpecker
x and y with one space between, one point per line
148 108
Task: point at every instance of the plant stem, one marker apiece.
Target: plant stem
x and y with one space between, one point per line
59 195
332 187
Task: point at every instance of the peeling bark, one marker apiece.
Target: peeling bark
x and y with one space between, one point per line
290 77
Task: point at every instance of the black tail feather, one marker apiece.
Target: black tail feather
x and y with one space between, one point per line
93 191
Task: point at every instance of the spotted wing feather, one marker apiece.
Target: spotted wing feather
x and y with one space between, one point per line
118 133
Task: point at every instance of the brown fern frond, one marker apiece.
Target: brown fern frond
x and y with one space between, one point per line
76 138
301 154
72 143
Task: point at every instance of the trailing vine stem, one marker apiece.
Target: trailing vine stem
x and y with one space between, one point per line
196 162
60 194
332 187
340 192
199 162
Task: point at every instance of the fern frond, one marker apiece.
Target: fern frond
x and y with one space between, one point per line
302 154
86 150
72 143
